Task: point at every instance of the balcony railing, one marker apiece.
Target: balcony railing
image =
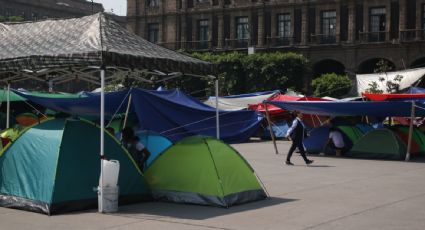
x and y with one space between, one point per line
374 37
279 41
412 35
323 39
237 43
188 45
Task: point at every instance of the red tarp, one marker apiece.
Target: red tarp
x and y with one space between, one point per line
310 120
384 97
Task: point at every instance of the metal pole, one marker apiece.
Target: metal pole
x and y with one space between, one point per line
270 128
8 107
409 141
102 131
126 112
217 114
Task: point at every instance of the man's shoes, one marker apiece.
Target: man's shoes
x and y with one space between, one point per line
288 163
308 162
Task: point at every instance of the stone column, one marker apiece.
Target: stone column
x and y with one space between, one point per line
304 25
260 34
419 28
232 34
351 22
388 21
183 27
338 23
220 35
210 30
402 17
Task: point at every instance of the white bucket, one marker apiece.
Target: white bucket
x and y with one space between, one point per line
109 203
111 170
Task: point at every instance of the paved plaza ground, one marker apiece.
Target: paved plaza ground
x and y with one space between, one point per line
333 193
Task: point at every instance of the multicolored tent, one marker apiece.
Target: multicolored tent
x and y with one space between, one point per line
155 143
54 167
351 132
379 144
203 170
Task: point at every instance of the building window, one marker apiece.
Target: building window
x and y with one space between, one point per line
242 31
153 3
328 28
153 32
423 16
283 29
203 34
377 24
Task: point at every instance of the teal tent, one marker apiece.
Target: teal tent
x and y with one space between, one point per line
203 170
54 167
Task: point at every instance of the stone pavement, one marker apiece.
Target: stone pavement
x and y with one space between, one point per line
333 193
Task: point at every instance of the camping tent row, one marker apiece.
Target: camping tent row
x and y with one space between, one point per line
46 170
66 49
361 108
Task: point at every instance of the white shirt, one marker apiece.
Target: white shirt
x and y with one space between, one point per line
293 126
337 139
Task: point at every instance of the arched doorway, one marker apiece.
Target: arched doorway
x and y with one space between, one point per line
370 65
328 66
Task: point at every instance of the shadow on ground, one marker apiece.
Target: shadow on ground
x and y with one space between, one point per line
194 212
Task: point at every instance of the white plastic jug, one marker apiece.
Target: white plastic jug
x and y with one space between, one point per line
109 203
111 170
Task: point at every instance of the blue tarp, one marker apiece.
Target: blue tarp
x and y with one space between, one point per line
155 143
415 90
317 139
353 108
279 130
170 113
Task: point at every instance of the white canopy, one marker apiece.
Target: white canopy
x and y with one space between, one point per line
237 103
410 77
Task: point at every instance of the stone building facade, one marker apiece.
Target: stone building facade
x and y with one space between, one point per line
336 35
32 10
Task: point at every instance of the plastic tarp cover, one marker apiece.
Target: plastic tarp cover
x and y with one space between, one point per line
410 77
238 102
386 97
353 108
170 113
177 115
415 90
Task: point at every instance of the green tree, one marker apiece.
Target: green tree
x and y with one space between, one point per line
392 86
11 19
331 85
241 73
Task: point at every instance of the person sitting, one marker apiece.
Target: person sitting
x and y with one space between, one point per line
136 149
336 140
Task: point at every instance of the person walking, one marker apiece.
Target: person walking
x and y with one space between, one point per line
297 132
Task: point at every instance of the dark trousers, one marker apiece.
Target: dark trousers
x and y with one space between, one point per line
297 144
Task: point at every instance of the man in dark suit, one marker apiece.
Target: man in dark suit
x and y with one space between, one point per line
297 132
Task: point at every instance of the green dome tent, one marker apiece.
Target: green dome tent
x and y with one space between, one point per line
352 132
54 167
379 144
203 170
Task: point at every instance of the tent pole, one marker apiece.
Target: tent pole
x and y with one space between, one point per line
8 106
126 112
270 128
102 130
409 141
217 114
